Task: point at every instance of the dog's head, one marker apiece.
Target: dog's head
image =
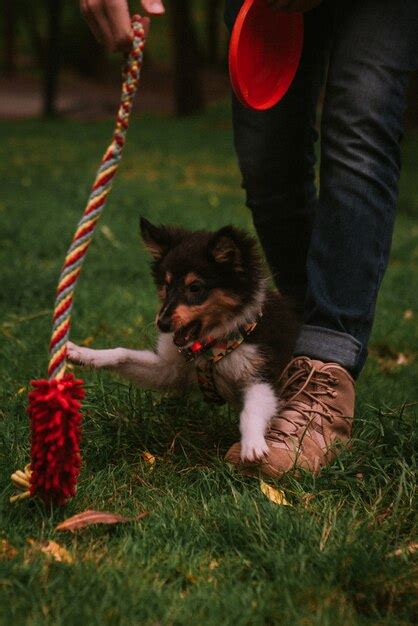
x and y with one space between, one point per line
205 280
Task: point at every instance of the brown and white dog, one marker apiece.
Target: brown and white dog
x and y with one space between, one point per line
212 285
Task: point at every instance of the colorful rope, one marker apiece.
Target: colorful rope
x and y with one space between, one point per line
95 205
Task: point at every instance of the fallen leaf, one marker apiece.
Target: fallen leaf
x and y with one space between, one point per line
408 314
108 234
87 341
88 518
53 550
7 551
388 359
306 499
148 457
138 320
191 578
402 359
274 495
20 391
411 548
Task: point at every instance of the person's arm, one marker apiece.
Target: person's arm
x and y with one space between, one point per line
110 22
294 6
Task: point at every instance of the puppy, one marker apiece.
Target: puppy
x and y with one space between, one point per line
221 327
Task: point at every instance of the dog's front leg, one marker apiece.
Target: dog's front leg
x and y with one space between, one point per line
144 367
260 406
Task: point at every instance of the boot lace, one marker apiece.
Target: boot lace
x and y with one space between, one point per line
307 393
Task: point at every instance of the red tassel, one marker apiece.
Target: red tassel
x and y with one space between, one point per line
54 410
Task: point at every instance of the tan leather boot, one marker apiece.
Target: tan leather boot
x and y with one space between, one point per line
316 415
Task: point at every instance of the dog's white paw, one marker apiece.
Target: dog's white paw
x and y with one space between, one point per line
253 450
79 355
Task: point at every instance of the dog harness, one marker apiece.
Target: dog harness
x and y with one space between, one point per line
212 352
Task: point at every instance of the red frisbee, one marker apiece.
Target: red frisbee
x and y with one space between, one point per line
264 53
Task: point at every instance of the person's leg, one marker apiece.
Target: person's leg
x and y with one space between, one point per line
375 46
276 156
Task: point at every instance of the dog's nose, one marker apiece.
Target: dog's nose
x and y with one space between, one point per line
164 324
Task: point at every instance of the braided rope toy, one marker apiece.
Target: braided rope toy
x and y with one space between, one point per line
54 403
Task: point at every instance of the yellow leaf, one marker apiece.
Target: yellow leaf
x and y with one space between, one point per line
57 552
408 314
388 359
274 495
7 551
21 390
148 457
52 550
411 548
191 578
108 234
87 341
402 359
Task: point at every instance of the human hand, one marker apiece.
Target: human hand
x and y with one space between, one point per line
294 6
110 22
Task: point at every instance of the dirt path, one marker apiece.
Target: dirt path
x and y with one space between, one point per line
21 97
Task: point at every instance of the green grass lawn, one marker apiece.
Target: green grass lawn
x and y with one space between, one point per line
214 550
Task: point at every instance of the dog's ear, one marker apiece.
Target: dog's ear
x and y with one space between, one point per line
225 247
157 239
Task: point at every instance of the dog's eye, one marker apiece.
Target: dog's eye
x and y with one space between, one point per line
195 288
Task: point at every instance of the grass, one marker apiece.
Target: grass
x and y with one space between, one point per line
213 550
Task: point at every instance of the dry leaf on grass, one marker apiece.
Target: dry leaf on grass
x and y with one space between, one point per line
389 359
402 359
274 495
411 548
108 234
7 551
408 314
51 549
306 499
148 457
89 518
87 341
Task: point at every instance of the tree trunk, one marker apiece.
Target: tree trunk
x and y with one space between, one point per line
52 56
29 18
9 32
186 62
212 28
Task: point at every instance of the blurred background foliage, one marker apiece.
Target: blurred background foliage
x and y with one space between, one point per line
48 42
51 64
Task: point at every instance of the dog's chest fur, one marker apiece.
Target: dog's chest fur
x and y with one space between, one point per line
231 373
235 371
260 358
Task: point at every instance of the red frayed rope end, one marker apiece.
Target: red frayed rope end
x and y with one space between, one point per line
54 410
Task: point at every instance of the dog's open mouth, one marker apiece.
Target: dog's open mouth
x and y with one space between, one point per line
186 334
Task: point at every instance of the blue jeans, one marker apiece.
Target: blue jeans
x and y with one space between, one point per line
330 250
